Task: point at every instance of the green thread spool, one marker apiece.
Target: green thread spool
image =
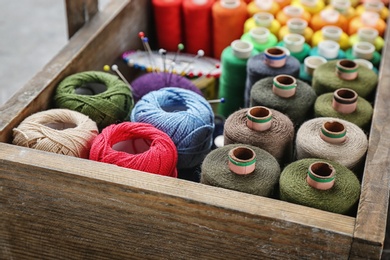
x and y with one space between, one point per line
376 59
103 97
297 46
233 76
261 38
296 107
262 181
341 198
324 81
361 116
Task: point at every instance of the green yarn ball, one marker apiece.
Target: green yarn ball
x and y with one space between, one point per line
325 80
216 172
106 99
360 117
296 107
341 198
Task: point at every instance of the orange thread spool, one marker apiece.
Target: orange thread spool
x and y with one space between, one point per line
289 12
269 6
367 19
228 23
328 17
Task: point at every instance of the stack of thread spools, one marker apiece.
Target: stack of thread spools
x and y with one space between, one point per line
297 78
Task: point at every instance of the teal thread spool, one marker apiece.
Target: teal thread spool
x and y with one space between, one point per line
262 181
232 81
328 49
364 84
260 38
297 46
308 67
296 107
346 105
364 50
341 198
103 97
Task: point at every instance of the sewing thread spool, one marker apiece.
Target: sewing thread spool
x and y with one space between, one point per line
341 198
328 17
333 33
297 26
196 22
297 46
321 175
261 38
311 6
259 118
167 16
277 140
261 181
367 34
228 22
257 6
186 118
103 97
364 50
136 146
331 139
347 69
313 62
367 19
291 11
60 131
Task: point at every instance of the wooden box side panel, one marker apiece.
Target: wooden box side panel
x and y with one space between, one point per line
100 41
73 208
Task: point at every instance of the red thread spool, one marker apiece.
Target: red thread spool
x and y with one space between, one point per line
197 26
228 24
168 20
137 146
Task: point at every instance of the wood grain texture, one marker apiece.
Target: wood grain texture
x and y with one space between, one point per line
100 42
55 206
79 12
370 228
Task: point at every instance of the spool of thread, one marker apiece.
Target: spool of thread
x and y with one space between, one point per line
283 3
228 23
258 69
103 97
366 51
291 11
308 67
344 7
328 49
262 19
297 46
233 75
311 6
258 6
310 142
367 34
361 116
328 17
298 26
333 33
262 181
197 21
277 140
296 107
60 131
367 19
374 6
186 118
261 38
364 84
136 146
168 20
154 81
341 198
367 64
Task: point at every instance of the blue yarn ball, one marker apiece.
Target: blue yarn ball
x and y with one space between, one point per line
184 116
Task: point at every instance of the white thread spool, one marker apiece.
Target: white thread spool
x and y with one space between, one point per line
331 32
264 4
328 49
365 63
241 49
259 34
341 5
330 15
313 62
370 18
363 50
297 25
294 42
293 11
263 19
367 34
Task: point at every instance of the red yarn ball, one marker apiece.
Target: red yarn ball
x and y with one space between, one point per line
137 146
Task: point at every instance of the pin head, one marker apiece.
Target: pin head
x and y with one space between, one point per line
145 39
217 65
222 100
201 53
106 68
114 67
162 51
180 46
141 35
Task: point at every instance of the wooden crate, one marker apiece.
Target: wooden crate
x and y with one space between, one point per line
55 206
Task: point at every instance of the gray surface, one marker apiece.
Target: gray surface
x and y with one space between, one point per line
32 32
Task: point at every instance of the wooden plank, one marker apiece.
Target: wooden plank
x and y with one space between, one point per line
370 228
78 13
110 33
56 206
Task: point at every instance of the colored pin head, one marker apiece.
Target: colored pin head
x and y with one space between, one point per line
106 68
141 35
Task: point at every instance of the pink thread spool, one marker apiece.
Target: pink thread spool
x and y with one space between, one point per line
259 118
347 69
321 175
275 57
242 160
333 132
284 86
345 100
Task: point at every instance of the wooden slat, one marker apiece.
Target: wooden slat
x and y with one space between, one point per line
110 33
79 12
58 207
370 228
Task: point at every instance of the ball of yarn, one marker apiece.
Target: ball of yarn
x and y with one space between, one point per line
155 81
325 80
296 107
185 116
350 153
277 140
136 146
360 117
341 198
216 172
257 69
60 131
103 97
